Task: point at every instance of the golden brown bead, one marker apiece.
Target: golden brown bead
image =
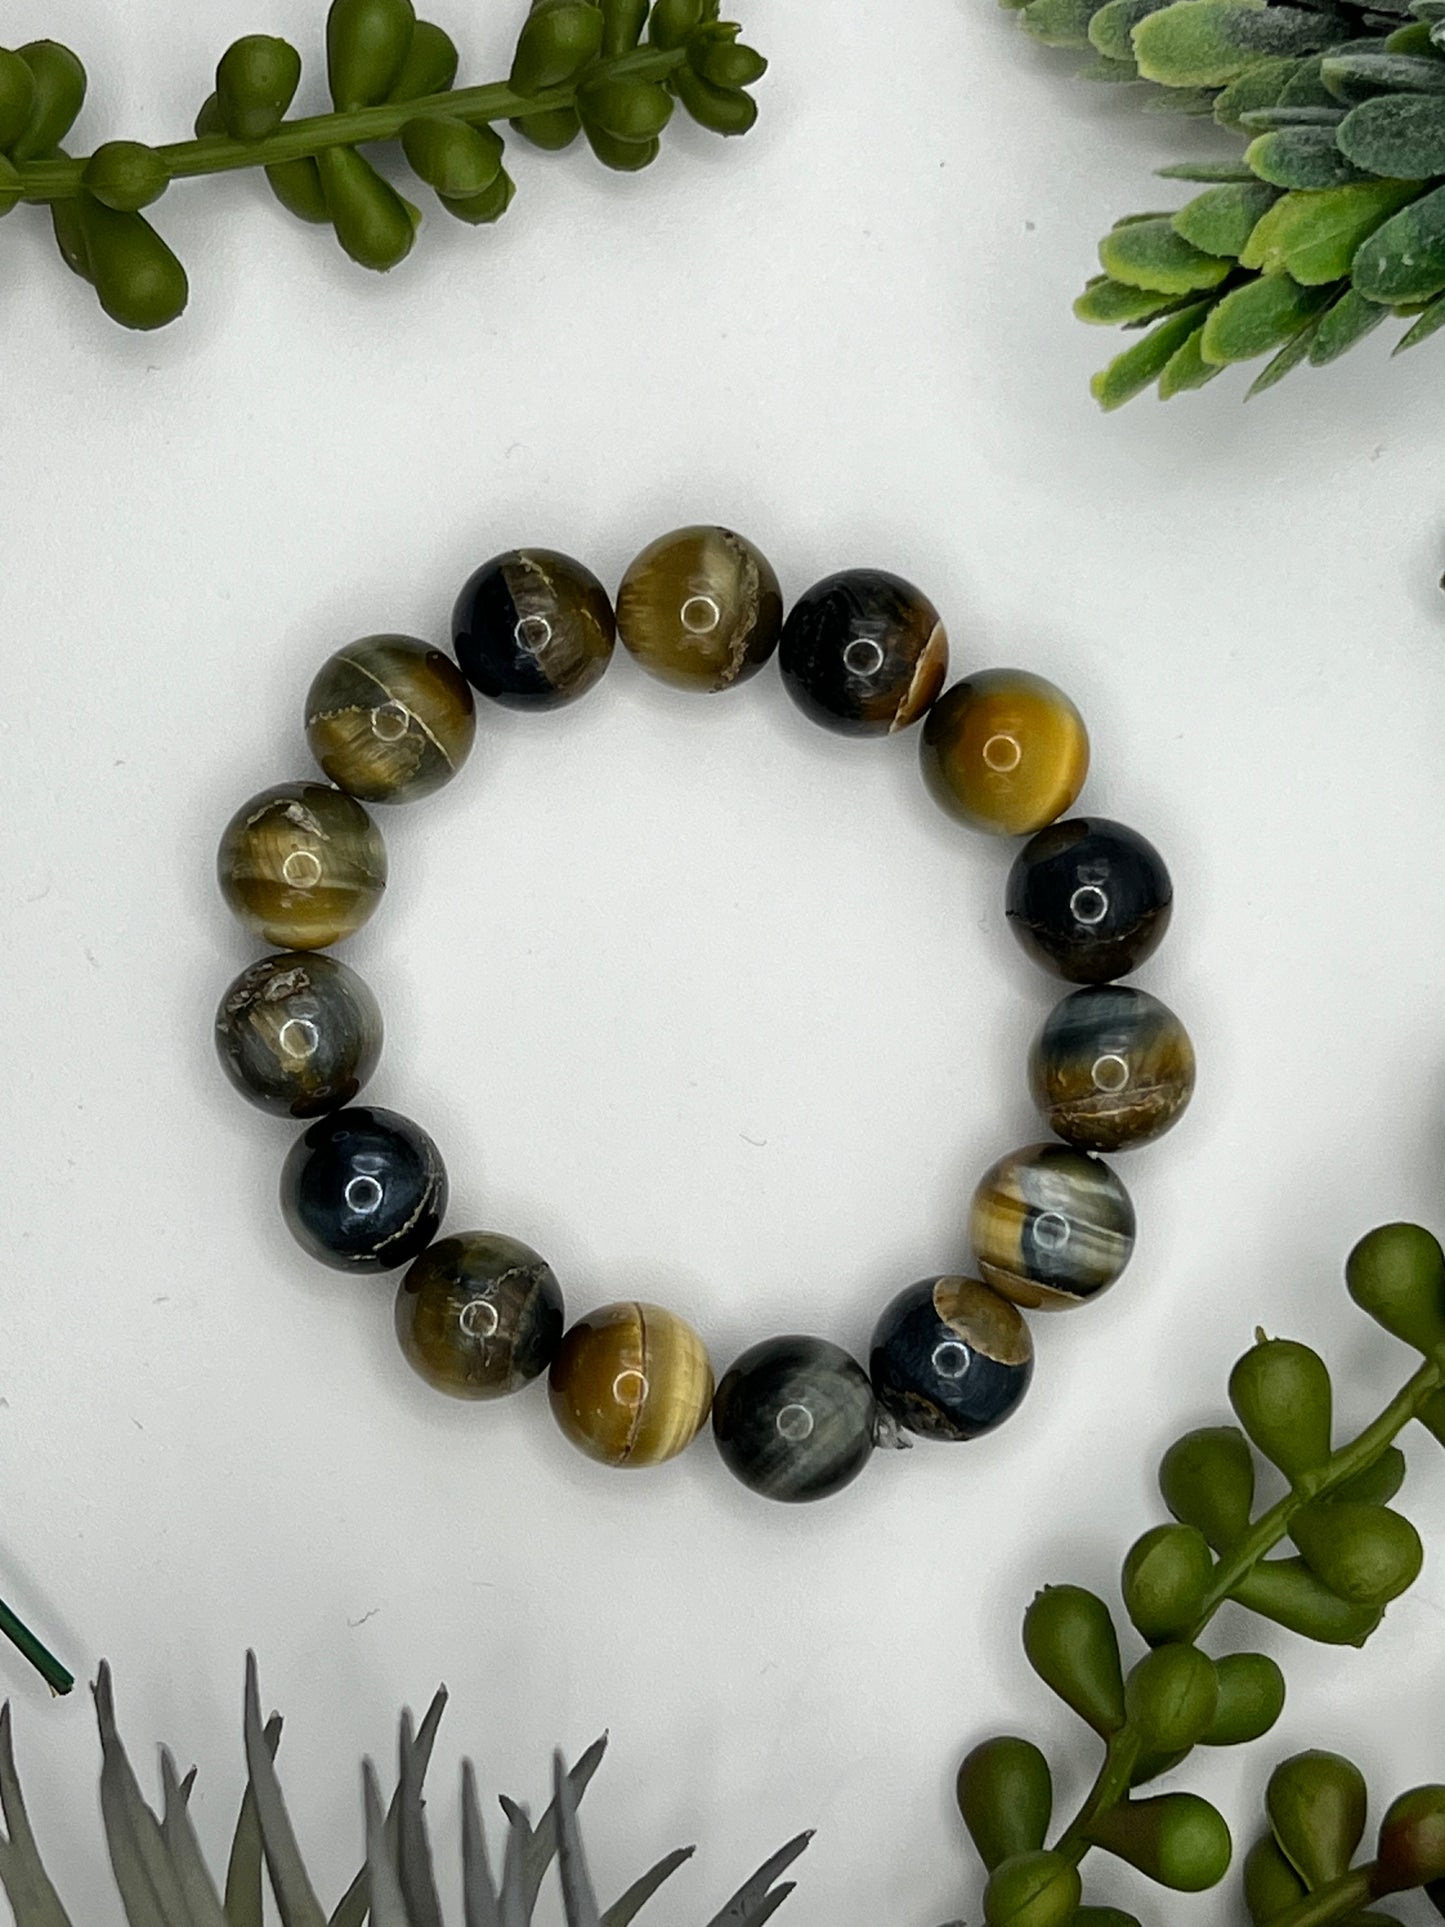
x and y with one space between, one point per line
631 1385
302 865
700 608
1004 751
390 719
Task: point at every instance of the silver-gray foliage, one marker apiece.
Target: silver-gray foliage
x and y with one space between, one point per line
163 1880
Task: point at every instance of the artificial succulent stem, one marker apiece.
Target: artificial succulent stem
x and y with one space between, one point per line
56 1677
1111 1784
1336 1901
60 180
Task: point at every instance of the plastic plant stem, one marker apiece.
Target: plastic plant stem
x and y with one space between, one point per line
60 180
56 1677
1112 1781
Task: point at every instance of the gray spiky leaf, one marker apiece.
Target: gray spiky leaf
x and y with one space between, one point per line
479 1895
540 1842
244 1904
578 1899
295 1897
32 1897
203 1903
756 1900
626 1908
351 1909
149 1891
414 1862
388 1909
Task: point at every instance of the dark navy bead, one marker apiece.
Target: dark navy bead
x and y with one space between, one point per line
364 1190
533 629
794 1419
863 652
1089 899
950 1358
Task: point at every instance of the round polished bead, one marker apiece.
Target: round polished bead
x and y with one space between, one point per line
863 652
533 629
1051 1227
795 1419
1089 899
1004 751
479 1315
700 608
390 719
298 1034
302 865
364 1190
950 1358
1112 1067
631 1385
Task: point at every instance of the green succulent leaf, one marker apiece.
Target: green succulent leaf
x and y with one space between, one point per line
1206 1479
1396 1273
1431 318
1171 1698
1005 1793
1177 1839
1271 1884
1111 29
1360 75
1367 1554
1069 1635
1221 220
1316 1803
1287 1591
1301 157
1058 23
60 86
1186 368
1187 102
1294 351
297 186
1404 259
1223 173
1259 86
1312 236
430 66
1399 135
1250 1699
1113 304
1280 1390
1150 254
1208 43
1166 1575
1109 71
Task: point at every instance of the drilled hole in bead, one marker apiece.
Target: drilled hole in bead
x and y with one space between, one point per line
389 722
863 656
1051 1231
795 1423
1110 1073
952 1358
1003 753
630 1388
1089 904
479 1319
533 633
700 615
363 1195
298 1038
301 869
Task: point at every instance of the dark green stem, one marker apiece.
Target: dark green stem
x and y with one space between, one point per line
295 140
1112 1781
41 1658
1336 1901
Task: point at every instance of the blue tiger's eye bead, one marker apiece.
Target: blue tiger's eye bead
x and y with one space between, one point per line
479 1315
1112 1067
1051 1227
364 1190
950 1359
794 1419
533 629
298 1034
1089 899
863 652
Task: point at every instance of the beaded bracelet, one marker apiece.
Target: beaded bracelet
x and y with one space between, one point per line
479 1314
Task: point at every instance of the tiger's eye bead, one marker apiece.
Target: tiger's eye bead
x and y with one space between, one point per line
700 608
794 1419
533 629
479 1315
1051 1227
631 1385
1112 1067
1089 899
390 719
298 1035
364 1190
1004 751
863 652
302 865
950 1358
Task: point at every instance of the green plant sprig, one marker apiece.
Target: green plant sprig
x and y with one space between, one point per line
58 1678
1353 1554
612 70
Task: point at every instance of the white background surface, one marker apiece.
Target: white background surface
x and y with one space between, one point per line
707 1005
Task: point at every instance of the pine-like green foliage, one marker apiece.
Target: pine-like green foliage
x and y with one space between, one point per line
163 1880
1331 221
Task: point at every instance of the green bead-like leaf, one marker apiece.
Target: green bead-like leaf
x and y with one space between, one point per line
559 39
1071 1644
1058 23
1349 320
452 156
1033 1890
1129 374
1175 1838
140 282
728 63
623 22
1301 157
1250 1699
1396 1273
69 225
1208 43
256 81
1354 76
297 186
430 66
1104 1917
125 175
626 157
1186 369
1171 1698
1221 220
1005 1793
1367 1554
628 109
1400 135
1111 29
1316 1803
373 223
1270 1883
1287 1591
1166 1575
553 130
673 22
1149 254
1404 260
367 42
59 95
17 96
1431 318
721 110
481 210
1113 304
1378 1483
1280 1390
1411 1848
1312 237
1207 1480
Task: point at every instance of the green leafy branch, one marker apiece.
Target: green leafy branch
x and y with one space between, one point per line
1331 222
1353 1553
610 69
